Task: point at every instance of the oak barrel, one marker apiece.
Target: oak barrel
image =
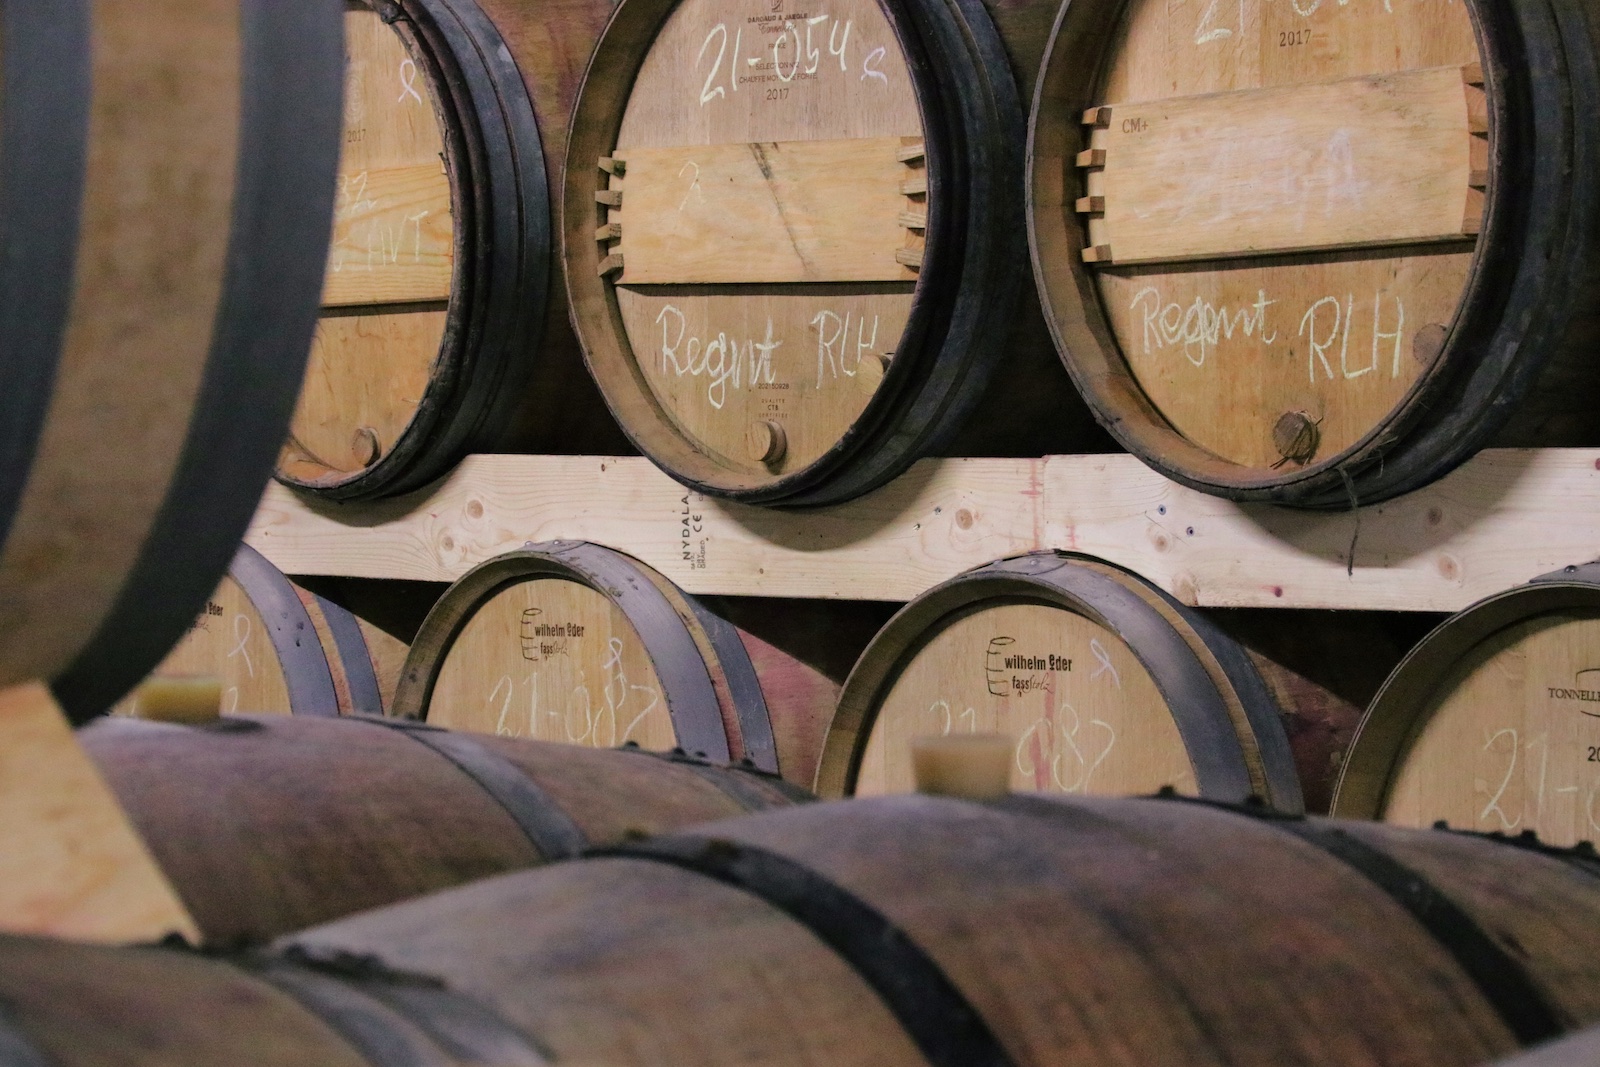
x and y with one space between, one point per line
168 179
1105 683
267 824
1321 253
1027 931
442 332
793 241
572 642
1492 722
275 647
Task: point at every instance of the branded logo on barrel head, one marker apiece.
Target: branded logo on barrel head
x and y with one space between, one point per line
1578 692
1003 668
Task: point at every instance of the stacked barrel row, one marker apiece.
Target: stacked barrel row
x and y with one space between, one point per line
1311 253
1104 683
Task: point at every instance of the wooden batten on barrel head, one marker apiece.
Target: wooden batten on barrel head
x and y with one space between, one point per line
1275 243
436 282
1492 722
571 642
1102 683
791 238
273 647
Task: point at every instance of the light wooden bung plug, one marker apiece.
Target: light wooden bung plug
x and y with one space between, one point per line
976 767
1098 682
179 699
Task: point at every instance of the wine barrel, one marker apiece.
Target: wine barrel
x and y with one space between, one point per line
793 240
267 824
1321 253
168 177
441 333
1106 684
1492 722
1027 931
572 642
275 647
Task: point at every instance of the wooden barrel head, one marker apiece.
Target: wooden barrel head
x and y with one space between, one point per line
391 267
1269 224
764 208
568 641
761 223
1492 723
1085 714
1102 685
434 309
552 660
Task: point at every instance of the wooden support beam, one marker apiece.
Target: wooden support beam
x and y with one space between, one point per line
1437 549
71 865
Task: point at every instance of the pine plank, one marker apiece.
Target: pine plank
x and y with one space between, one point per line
1438 549
71 865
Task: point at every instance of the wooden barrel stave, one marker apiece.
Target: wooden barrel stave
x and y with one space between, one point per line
671 674
1409 1002
190 238
1502 353
280 823
1219 734
152 1007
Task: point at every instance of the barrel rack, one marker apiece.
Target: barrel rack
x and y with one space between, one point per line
1501 519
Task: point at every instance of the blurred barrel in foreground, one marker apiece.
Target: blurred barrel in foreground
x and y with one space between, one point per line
903 931
1106 684
1322 253
1493 721
275 648
167 174
442 330
569 641
266 824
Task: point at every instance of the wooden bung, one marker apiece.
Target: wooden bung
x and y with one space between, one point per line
273 647
1320 253
165 189
894 932
1102 683
794 242
268 824
572 642
441 331
1493 721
